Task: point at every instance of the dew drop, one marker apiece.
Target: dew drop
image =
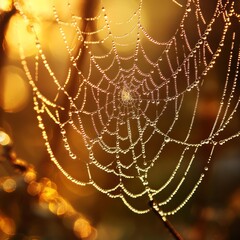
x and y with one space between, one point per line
179 69
63 131
167 139
221 142
188 9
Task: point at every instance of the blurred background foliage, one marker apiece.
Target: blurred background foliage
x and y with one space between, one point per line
37 202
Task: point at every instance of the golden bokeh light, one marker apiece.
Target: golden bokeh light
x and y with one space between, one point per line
19 33
30 176
6 5
46 182
4 139
9 185
38 8
14 90
49 197
58 206
82 228
48 194
7 226
34 188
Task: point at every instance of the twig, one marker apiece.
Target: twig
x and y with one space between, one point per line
166 223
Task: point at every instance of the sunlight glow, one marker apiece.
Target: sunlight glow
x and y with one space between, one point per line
14 91
20 33
6 5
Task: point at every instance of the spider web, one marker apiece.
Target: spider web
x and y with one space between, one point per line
126 114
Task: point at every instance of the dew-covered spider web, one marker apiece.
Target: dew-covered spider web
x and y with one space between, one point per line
127 107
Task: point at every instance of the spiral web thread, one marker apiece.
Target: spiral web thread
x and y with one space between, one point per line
131 109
